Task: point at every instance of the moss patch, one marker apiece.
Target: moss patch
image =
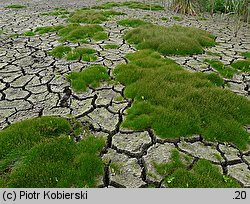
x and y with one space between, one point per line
91 76
202 175
225 71
80 53
175 102
174 40
15 6
132 22
41 148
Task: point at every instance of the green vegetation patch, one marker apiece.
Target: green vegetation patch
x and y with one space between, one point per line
39 153
80 53
75 32
174 40
15 6
111 46
130 4
225 71
246 54
132 22
55 13
92 76
175 102
177 18
243 65
202 175
92 16
29 33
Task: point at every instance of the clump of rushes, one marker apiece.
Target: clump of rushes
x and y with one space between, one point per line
111 46
132 22
80 53
91 76
202 175
29 33
91 16
174 40
225 71
41 148
75 32
177 103
16 6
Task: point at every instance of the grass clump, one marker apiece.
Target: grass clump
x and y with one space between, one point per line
143 6
225 71
48 29
111 46
177 18
92 76
91 16
85 54
243 65
130 4
246 54
29 33
132 22
41 148
75 32
175 102
174 40
15 6
55 13
202 175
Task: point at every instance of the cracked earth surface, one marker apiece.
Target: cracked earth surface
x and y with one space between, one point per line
33 84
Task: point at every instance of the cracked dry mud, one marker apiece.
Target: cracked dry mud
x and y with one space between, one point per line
32 84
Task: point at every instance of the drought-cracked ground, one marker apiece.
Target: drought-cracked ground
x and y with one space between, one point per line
33 83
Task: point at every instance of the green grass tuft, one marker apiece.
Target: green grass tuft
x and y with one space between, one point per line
80 53
111 46
41 148
130 4
225 71
243 65
48 29
202 175
91 16
75 32
16 6
29 33
55 13
246 54
177 18
175 102
143 6
132 22
92 76
60 51
174 40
